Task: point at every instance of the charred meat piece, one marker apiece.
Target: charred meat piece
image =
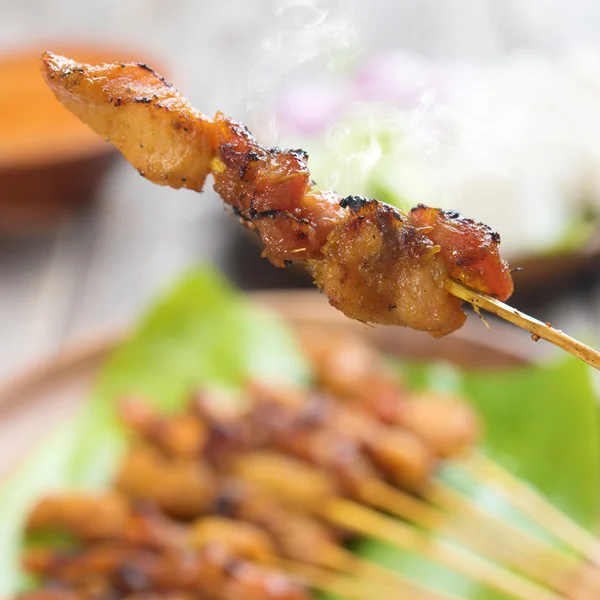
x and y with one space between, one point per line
354 372
379 268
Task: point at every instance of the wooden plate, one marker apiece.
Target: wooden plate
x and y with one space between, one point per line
52 391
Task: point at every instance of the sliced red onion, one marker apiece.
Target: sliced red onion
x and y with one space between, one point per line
310 108
398 78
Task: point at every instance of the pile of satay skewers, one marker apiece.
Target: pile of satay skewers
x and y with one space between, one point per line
259 501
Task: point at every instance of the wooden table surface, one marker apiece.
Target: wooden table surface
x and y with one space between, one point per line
103 265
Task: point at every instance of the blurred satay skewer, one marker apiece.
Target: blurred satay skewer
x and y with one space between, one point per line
375 263
267 534
296 483
174 477
144 474
257 509
340 456
216 571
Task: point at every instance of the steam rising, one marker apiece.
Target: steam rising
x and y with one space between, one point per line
313 35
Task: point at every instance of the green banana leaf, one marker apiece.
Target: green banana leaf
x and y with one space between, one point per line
202 333
540 423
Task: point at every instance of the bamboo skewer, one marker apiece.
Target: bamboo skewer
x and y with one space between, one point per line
343 560
547 567
519 549
535 327
359 519
350 587
535 506
397 584
339 559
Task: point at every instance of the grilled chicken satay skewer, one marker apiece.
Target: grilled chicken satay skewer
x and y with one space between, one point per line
216 570
355 518
147 476
400 458
107 518
145 465
186 487
104 517
287 414
185 436
374 263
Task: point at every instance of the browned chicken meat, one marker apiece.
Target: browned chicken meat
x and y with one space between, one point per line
375 259
375 263
351 370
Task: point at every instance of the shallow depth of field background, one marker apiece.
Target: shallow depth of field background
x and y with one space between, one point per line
103 263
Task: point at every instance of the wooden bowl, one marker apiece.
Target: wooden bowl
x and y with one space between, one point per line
546 278
47 394
50 162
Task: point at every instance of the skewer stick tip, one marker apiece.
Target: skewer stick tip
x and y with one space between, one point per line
537 329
